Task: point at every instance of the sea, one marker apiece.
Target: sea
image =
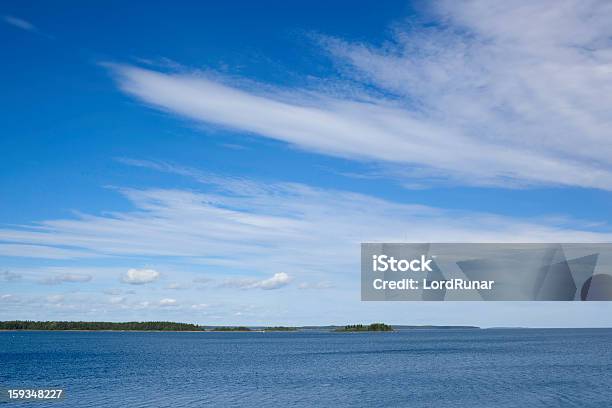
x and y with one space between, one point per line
411 368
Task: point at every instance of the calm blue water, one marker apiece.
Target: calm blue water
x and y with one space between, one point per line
433 368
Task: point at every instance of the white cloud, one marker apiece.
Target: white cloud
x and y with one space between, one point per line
275 282
19 23
200 306
242 225
68 272
177 286
510 95
43 251
167 302
73 278
67 278
140 276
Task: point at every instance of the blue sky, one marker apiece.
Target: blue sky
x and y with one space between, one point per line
221 163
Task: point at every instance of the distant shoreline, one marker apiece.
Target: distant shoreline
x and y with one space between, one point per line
340 333
26 325
165 327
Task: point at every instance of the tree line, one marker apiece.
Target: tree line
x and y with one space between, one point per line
141 326
364 328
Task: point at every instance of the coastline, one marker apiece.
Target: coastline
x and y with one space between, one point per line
152 326
174 327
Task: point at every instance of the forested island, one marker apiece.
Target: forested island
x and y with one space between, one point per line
280 328
231 329
374 327
125 326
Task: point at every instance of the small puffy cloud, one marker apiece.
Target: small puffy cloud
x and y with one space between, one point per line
19 23
199 306
9 276
140 276
7 297
67 278
277 281
315 285
167 302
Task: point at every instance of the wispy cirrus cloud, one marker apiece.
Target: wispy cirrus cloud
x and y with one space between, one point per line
244 226
67 278
43 251
19 23
177 286
511 95
315 285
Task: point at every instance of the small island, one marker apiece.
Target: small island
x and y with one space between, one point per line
374 327
280 329
231 329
